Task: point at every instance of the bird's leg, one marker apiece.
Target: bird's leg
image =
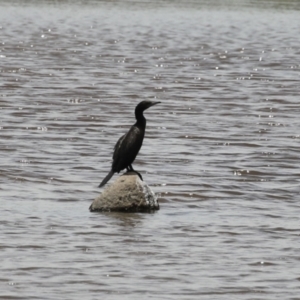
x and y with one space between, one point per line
139 174
131 169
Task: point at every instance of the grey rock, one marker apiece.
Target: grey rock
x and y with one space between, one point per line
128 193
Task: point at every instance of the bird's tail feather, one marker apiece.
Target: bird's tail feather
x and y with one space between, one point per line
106 179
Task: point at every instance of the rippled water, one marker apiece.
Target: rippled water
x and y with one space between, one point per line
222 149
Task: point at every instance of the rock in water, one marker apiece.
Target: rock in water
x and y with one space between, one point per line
129 194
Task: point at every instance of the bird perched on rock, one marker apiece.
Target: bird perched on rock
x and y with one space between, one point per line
129 145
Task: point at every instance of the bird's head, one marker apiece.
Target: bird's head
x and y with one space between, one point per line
144 105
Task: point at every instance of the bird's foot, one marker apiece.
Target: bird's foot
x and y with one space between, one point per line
138 173
130 169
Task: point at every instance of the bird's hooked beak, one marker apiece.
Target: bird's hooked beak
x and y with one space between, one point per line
154 103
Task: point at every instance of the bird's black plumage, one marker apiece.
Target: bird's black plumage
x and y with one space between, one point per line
129 145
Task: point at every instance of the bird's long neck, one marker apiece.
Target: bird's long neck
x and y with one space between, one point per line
140 120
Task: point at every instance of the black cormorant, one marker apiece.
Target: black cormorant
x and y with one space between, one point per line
129 145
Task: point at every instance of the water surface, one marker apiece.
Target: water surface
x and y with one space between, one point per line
222 149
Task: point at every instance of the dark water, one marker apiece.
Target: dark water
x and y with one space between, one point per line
222 149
